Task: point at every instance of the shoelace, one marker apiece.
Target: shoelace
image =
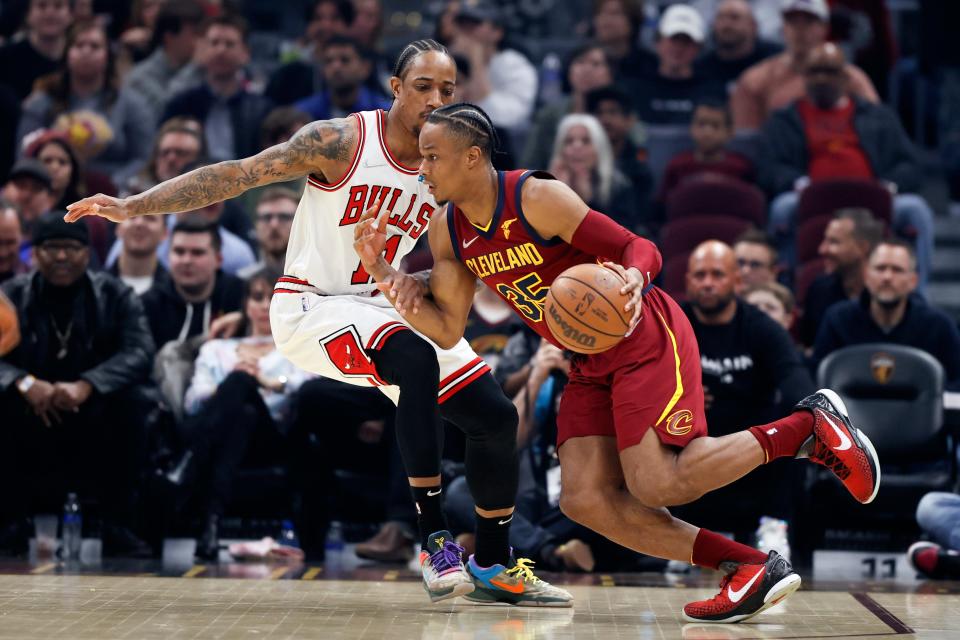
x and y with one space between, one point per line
447 557
524 571
827 458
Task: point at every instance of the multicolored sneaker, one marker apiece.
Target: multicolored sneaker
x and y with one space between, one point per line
514 584
444 575
840 447
747 591
930 560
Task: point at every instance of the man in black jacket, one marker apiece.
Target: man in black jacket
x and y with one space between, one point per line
888 311
197 291
70 391
752 374
832 134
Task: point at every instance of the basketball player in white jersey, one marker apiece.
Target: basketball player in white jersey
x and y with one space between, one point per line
327 315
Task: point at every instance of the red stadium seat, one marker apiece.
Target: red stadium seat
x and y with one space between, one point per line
675 276
809 237
823 197
683 235
716 194
806 273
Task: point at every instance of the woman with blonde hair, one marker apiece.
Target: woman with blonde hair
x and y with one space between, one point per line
583 160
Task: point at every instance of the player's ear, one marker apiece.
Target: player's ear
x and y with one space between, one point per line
474 156
395 83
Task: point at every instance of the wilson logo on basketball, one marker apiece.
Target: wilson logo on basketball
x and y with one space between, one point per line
570 333
584 305
680 423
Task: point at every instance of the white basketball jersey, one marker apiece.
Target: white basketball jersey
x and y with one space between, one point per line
320 250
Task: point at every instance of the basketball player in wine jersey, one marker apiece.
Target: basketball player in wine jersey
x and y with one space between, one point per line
632 434
329 318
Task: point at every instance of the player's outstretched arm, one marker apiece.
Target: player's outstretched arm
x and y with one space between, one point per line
319 147
442 316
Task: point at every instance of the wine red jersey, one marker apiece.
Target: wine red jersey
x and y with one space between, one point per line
509 256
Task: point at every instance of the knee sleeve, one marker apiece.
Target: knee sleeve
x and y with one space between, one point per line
489 420
410 362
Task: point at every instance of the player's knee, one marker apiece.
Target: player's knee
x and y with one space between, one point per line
580 506
406 359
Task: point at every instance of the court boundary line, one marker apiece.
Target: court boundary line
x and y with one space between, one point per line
882 613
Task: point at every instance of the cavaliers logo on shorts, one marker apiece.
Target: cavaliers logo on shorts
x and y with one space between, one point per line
679 423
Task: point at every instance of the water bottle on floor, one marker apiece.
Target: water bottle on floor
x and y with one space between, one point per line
334 545
72 528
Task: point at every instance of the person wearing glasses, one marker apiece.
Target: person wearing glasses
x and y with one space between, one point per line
273 219
70 391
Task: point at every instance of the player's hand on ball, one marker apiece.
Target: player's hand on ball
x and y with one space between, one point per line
634 288
113 209
404 291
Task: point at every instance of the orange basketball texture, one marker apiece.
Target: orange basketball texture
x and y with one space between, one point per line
584 308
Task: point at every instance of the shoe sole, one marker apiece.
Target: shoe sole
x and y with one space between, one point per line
456 592
527 603
861 438
916 546
775 596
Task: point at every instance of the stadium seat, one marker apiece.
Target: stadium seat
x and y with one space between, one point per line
664 142
809 237
823 197
683 235
806 273
717 194
894 394
675 276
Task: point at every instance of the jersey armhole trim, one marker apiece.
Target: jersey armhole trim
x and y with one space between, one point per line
323 186
381 117
451 225
518 203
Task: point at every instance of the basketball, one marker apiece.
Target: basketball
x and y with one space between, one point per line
584 308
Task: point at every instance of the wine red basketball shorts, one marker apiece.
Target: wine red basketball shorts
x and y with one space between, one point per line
650 380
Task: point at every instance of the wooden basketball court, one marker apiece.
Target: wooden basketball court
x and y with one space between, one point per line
285 602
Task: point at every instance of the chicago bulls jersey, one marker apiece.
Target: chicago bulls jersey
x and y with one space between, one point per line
320 250
509 256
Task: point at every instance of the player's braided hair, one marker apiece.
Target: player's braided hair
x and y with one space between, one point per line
412 50
469 122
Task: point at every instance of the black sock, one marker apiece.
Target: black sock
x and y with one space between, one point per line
430 516
493 540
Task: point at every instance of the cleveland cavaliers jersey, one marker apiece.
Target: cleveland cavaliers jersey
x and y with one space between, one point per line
320 250
509 256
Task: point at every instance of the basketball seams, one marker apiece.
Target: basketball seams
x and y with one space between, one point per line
626 325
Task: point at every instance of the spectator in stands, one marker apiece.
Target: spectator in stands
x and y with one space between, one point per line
240 403
668 94
778 81
198 291
346 67
614 109
274 214
711 129
178 144
889 311
236 254
73 384
109 127
40 52
582 159
9 325
367 29
302 77
938 515
503 81
735 44
504 159
138 265
230 114
586 69
280 125
756 258
773 299
847 241
615 25
66 174
11 236
752 374
830 133
170 69
30 190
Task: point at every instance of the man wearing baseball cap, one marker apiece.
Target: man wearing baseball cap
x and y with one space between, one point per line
778 81
667 95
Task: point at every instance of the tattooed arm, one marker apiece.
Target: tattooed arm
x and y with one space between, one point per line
323 147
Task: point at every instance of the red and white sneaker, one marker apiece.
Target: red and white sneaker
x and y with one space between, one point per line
750 589
839 446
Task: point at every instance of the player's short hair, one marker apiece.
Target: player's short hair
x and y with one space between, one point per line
897 242
412 50
196 224
470 123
